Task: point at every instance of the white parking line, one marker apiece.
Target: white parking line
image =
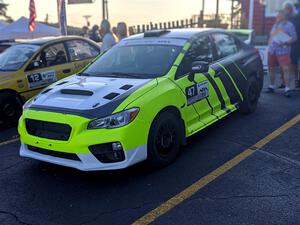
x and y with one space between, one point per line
9 141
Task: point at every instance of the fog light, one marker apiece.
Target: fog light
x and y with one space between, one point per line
108 153
116 146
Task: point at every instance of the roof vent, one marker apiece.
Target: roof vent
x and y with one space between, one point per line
155 33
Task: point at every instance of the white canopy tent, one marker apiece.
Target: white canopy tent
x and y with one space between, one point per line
19 30
3 24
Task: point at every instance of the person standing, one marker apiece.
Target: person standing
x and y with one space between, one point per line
122 31
294 17
283 34
95 35
85 32
131 31
108 39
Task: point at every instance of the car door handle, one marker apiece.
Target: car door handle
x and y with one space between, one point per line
67 71
218 74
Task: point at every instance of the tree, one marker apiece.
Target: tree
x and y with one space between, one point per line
3 9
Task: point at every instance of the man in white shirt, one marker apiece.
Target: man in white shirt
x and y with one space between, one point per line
108 39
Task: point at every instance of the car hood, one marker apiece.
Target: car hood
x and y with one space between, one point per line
87 93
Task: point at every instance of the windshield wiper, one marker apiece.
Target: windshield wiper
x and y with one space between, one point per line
127 75
6 70
115 74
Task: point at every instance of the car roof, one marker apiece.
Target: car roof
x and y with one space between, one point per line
241 31
46 40
184 33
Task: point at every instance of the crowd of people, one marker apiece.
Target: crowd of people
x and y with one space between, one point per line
107 35
284 47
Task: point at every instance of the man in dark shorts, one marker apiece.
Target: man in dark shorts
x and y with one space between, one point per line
294 17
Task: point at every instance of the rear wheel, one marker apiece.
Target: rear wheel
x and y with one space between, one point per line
10 108
251 96
164 140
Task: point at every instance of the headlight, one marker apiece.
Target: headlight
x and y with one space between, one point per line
116 120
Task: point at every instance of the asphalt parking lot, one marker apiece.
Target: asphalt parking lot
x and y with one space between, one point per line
238 171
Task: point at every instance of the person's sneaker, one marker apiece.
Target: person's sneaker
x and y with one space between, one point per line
270 90
281 86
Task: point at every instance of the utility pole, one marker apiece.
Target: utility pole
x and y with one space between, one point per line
232 14
201 21
105 9
217 12
251 14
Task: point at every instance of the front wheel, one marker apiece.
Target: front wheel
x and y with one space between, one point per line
10 108
251 96
164 140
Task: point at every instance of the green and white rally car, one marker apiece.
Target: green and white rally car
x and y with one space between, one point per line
141 100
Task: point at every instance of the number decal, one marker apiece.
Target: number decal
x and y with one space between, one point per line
41 79
197 92
191 91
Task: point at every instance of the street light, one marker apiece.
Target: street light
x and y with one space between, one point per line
86 17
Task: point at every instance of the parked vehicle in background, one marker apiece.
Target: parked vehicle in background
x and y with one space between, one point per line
6 45
246 35
26 68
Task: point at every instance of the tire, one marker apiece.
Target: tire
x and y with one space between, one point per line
10 108
251 96
164 140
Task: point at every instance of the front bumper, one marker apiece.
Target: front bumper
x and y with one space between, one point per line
133 139
88 162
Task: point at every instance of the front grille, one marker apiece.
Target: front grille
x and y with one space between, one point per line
49 130
63 155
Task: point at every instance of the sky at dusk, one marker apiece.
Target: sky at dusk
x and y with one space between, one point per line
132 12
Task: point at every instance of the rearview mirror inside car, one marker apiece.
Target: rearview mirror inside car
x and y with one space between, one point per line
36 64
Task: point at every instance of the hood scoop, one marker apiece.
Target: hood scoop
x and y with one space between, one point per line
111 96
126 87
76 92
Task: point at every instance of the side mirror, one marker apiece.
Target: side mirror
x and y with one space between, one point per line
198 67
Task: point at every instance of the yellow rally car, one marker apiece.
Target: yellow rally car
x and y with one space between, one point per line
142 99
28 67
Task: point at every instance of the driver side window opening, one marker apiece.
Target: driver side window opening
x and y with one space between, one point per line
51 56
225 45
201 50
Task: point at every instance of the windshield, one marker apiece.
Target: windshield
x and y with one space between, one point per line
242 36
135 61
16 56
